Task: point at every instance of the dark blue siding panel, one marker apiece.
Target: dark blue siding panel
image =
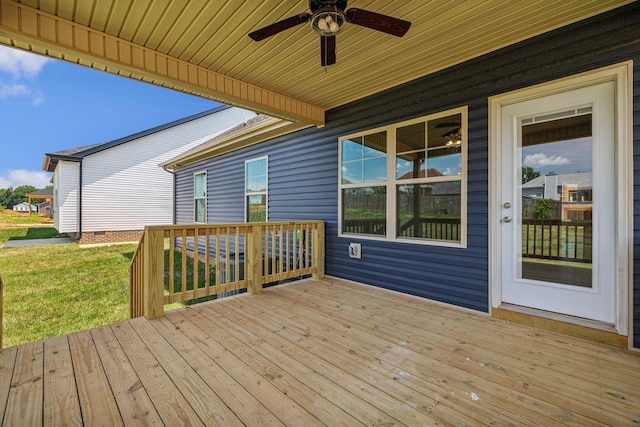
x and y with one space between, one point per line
303 167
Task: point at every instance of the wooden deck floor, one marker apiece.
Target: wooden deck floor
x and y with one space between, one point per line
319 353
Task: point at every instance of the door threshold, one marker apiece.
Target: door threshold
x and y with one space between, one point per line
564 324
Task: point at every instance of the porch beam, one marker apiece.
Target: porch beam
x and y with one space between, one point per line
36 31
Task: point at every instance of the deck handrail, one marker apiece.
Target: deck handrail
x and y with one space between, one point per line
176 263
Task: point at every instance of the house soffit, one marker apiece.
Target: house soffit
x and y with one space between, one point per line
202 47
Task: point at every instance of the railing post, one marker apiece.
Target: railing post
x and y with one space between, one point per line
153 273
253 259
317 251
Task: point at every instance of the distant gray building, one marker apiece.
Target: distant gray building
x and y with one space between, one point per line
573 190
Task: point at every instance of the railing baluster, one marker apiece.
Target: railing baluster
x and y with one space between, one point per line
217 257
207 264
172 265
196 250
183 270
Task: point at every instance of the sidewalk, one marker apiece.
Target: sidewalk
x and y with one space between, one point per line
36 242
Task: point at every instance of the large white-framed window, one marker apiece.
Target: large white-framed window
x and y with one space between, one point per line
407 182
256 189
200 197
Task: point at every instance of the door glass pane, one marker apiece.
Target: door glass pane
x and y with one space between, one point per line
556 199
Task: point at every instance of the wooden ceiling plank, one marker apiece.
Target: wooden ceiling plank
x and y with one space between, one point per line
134 17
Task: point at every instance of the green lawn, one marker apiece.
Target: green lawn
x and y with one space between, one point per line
9 218
58 289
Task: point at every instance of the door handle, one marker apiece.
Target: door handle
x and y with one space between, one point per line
506 219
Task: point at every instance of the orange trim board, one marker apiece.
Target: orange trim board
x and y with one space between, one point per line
605 337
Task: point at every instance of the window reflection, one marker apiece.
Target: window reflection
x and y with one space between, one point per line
429 211
364 159
364 210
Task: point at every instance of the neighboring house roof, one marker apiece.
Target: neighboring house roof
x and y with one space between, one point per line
581 179
77 154
42 194
431 172
255 130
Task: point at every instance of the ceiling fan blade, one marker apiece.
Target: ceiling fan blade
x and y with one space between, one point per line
327 50
279 26
376 21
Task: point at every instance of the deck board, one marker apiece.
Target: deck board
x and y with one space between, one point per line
319 352
60 392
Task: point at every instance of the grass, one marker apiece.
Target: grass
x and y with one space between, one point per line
21 226
59 289
9 218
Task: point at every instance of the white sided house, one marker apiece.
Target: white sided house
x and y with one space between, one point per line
24 207
108 192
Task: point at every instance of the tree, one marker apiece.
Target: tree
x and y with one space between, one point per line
10 197
543 208
528 174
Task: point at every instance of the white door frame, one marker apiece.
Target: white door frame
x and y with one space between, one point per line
622 75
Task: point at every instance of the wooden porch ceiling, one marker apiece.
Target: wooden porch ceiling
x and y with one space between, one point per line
315 352
201 47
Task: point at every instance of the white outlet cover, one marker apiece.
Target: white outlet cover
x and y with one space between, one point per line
355 250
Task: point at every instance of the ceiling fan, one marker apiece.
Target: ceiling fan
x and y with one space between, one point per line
328 18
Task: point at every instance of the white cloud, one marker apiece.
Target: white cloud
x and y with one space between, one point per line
21 63
18 177
539 160
16 90
13 89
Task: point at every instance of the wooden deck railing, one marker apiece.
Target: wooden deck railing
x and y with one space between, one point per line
184 262
556 239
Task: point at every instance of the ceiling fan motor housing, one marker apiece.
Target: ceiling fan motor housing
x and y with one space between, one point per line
317 4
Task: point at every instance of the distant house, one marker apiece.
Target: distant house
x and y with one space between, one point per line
574 191
24 207
46 208
108 192
45 194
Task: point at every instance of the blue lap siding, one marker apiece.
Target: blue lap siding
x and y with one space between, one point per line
303 166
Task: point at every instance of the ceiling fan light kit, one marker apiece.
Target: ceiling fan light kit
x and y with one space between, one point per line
328 18
327 21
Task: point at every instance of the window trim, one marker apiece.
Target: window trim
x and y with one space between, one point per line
195 174
392 182
265 193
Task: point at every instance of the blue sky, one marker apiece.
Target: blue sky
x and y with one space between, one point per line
48 105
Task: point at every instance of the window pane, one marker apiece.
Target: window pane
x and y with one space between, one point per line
200 185
445 161
364 210
256 176
410 165
257 208
352 149
375 145
256 184
410 138
352 172
375 170
445 131
200 210
429 211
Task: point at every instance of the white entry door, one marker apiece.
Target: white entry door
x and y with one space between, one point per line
558 203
